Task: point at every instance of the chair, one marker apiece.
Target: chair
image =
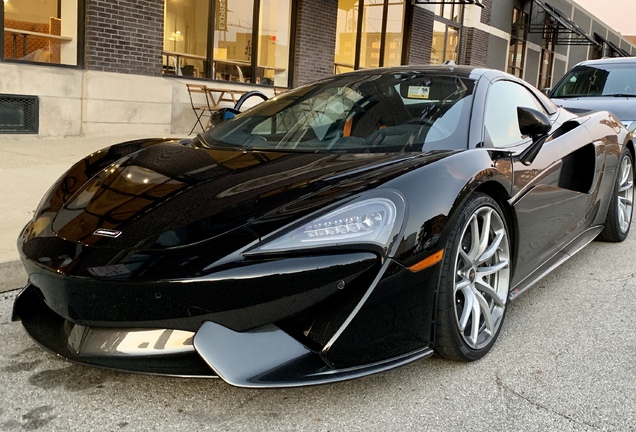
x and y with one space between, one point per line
187 70
199 108
240 78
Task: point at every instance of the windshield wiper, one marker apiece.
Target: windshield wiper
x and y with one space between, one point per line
221 144
620 95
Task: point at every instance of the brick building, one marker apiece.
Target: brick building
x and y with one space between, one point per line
94 67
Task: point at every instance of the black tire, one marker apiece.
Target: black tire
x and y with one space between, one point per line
619 214
465 280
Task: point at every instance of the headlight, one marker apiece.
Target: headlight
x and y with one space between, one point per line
371 220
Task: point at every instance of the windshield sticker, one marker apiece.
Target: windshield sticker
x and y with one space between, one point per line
418 92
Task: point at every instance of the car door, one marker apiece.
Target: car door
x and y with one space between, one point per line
552 197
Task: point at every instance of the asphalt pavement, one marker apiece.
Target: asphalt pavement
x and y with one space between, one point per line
564 360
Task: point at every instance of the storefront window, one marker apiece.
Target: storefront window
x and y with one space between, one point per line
241 50
185 37
369 34
346 36
445 43
274 42
519 34
394 34
547 55
42 31
446 33
233 44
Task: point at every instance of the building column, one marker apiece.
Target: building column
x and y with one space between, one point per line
315 40
474 50
420 38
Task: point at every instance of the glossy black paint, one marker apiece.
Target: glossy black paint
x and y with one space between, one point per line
191 216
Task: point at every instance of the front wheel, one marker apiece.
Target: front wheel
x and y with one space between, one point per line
619 214
474 283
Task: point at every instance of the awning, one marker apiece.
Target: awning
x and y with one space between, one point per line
475 2
621 52
567 31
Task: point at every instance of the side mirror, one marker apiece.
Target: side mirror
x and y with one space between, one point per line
536 124
532 122
546 91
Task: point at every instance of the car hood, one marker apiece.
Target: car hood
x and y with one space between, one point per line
170 195
623 108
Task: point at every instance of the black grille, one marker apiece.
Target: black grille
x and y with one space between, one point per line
18 114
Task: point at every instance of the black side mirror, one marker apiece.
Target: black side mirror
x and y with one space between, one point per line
536 124
533 122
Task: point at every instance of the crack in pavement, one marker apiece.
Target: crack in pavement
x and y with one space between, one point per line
539 405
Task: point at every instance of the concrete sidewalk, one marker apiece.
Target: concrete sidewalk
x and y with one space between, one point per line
28 167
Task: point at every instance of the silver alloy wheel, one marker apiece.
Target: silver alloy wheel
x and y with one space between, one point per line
482 277
625 194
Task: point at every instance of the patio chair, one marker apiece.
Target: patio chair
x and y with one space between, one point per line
200 109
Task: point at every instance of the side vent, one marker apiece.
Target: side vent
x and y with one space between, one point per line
18 114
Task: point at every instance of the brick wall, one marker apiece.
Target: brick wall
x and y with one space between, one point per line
475 47
486 12
315 40
421 38
124 36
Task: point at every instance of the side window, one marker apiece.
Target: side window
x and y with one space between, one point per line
501 123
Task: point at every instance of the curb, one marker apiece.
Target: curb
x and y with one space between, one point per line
12 276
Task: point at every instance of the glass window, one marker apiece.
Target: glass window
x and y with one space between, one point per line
547 54
501 122
357 114
43 31
445 43
346 35
598 80
233 28
274 41
394 30
240 49
371 36
518 36
185 39
379 41
446 33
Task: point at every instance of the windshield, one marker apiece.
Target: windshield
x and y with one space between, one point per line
391 112
599 80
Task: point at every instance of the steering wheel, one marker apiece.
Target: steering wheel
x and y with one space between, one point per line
433 125
246 96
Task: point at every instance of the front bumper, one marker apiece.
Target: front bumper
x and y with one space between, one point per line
264 357
307 329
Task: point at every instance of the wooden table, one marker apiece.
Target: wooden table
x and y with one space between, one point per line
27 33
225 95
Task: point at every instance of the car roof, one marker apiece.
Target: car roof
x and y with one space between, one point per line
459 70
609 60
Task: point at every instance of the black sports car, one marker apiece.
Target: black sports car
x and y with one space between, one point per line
341 229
